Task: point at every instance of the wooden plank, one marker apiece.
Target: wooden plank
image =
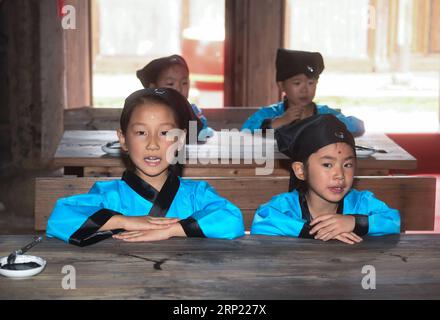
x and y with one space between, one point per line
251 268
414 197
88 118
82 148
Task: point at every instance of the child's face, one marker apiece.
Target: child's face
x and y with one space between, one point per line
330 172
175 77
145 139
299 89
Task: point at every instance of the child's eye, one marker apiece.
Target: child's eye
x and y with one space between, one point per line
140 133
170 84
348 165
163 133
327 165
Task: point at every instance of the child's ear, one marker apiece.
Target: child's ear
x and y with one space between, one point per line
280 86
298 169
121 138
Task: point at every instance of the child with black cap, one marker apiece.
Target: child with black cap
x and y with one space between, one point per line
321 203
151 202
297 74
173 72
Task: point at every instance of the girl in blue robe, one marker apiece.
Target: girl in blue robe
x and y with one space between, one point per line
173 72
151 202
297 74
321 203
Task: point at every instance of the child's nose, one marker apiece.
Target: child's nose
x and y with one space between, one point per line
339 173
152 143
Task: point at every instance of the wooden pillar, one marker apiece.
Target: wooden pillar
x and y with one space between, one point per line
435 27
378 34
78 52
254 31
35 69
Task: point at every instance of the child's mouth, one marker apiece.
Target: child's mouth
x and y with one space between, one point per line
337 190
152 161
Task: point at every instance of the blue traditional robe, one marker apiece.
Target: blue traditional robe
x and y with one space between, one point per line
287 214
203 213
257 120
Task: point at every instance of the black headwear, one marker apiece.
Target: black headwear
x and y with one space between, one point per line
152 70
289 63
302 138
172 98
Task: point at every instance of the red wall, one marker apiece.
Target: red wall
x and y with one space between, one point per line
425 147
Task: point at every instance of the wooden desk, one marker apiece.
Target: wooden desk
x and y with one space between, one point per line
252 267
81 149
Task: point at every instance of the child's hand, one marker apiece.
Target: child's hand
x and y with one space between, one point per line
147 223
174 230
293 113
348 237
329 226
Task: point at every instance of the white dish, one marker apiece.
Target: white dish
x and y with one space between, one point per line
364 153
22 273
113 148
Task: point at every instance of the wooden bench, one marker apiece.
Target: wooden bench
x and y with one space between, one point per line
88 118
414 197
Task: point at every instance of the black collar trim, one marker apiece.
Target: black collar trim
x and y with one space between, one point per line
305 207
161 200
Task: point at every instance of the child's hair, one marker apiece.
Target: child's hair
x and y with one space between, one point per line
169 97
151 72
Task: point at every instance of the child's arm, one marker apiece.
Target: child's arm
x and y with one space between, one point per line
138 223
279 217
173 230
213 216
373 217
353 124
256 120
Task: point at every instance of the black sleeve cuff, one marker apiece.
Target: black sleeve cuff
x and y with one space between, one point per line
192 228
88 233
305 232
361 224
267 124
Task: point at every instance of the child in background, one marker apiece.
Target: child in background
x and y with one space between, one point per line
151 202
321 203
172 72
297 74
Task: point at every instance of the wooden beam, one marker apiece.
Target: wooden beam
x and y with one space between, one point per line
254 31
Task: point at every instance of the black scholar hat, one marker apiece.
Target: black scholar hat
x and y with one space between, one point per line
302 138
150 73
289 63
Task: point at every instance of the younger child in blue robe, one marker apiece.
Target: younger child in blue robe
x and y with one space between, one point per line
297 74
150 202
321 203
173 72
